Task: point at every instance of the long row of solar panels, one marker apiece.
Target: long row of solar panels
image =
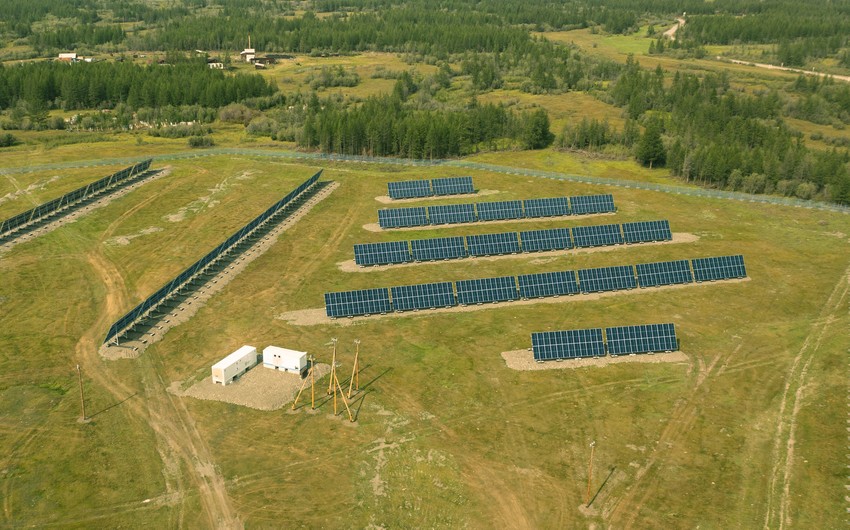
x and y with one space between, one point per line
137 313
593 342
495 211
443 248
414 189
507 288
72 197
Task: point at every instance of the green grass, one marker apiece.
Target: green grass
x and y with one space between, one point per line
469 442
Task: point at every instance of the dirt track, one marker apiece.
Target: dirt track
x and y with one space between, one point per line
523 360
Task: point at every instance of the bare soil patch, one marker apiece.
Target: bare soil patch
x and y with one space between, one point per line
524 360
541 257
385 199
260 388
375 227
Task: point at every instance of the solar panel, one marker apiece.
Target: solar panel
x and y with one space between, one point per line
423 296
453 186
597 236
570 344
493 244
382 253
587 204
362 302
606 279
402 217
547 284
499 289
438 248
451 214
664 273
542 240
646 231
499 210
551 207
646 338
719 268
409 189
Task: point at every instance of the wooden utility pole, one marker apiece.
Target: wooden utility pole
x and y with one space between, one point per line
355 371
589 474
82 398
344 401
333 367
312 383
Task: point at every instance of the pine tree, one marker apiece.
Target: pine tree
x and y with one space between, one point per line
650 148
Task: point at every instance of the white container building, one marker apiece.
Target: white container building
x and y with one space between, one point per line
283 359
234 365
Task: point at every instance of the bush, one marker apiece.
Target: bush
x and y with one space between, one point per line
8 140
180 131
200 141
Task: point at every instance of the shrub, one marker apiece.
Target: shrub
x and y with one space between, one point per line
7 140
200 141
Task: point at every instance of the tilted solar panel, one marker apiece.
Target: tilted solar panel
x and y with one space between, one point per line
664 273
423 296
451 214
543 240
453 186
647 231
597 236
493 244
547 284
499 289
719 268
438 248
549 207
402 217
354 303
499 210
568 344
646 338
588 204
409 189
382 253
606 279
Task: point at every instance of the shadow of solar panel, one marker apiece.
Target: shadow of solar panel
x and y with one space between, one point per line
587 204
493 244
354 303
648 338
547 284
597 236
423 296
438 248
646 231
402 217
501 289
453 186
719 268
606 279
499 210
409 189
551 207
451 214
549 239
569 344
382 253
664 273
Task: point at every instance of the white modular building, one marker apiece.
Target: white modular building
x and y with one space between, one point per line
234 365
283 359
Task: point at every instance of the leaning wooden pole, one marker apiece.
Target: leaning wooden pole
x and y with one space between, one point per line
303 384
344 401
333 367
355 371
312 383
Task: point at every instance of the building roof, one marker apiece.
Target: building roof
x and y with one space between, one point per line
284 352
247 51
67 55
235 356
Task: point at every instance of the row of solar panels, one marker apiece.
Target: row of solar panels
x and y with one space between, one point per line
507 288
127 321
495 211
621 340
72 197
442 248
411 189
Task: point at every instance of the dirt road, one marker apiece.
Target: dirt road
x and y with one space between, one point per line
671 33
844 78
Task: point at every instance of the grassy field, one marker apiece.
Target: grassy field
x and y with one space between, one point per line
742 435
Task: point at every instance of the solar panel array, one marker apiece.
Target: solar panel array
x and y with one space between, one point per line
607 279
138 312
547 284
623 340
501 289
72 197
664 273
647 231
362 302
423 296
490 244
719 268
493 211
413 189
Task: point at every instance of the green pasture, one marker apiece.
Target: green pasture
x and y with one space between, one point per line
446 436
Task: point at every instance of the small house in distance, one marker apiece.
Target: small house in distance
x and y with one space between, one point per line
291 361
234 365
67 57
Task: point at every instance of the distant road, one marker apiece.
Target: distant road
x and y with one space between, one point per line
671 33
786 69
